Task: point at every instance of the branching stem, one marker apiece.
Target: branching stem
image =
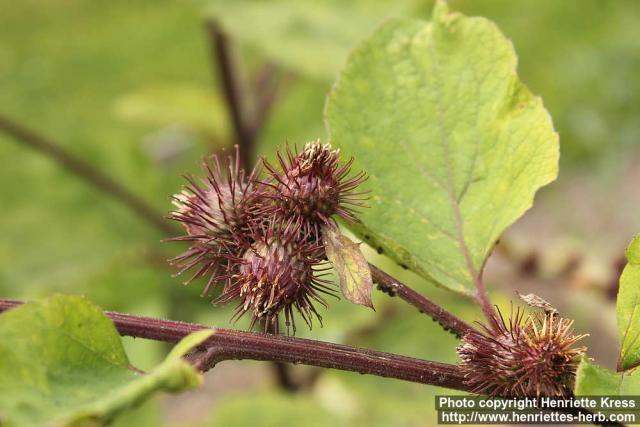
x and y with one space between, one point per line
227 344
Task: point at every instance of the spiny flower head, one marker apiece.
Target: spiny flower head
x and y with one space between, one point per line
311 186
262 238
279 272
215 212
531 356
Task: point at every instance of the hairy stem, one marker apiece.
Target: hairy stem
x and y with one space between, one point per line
394 287
281 371
227 344
86 171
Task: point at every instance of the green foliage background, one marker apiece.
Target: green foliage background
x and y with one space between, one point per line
128 86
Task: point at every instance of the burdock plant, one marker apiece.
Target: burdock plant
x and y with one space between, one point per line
454 147
309 188
216 211
262 237
446 174
527 355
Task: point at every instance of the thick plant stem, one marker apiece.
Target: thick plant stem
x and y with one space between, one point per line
394 287
227 344
86 171
281 371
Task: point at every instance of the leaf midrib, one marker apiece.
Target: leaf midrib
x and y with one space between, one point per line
448 186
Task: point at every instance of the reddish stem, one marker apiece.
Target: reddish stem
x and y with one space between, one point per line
394 287
227 344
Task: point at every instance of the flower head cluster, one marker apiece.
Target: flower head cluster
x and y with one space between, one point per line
312 186
215 211
261 237
530 356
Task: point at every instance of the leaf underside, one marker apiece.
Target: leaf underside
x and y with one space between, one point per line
454 144
628 309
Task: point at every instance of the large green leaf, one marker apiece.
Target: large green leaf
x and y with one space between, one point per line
454 144
62 361
307 36
594 380
627 308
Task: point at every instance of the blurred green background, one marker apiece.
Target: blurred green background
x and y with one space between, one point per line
132 88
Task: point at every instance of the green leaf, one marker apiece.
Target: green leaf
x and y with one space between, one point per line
593 380
62 361
454 144
350 264
193 107
627 309
307 36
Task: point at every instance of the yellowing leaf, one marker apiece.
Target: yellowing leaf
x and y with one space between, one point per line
351 266
628 309
454 144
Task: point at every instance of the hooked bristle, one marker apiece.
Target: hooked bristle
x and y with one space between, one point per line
312 186
215 211
277 274
262 239
531 356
